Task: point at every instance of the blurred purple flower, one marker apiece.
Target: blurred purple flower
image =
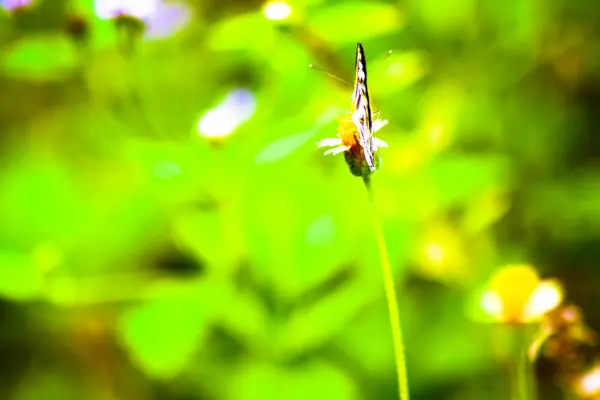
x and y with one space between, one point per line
168 19
237 107
161 18
14 4
141 9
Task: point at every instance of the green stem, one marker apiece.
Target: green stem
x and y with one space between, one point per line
390 293
523 387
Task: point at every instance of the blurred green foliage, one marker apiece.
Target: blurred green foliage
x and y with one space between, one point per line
141 259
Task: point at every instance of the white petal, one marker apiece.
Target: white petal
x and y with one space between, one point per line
329 142
379 143
378 124
337 150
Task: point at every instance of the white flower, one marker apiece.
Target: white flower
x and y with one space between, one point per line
347 136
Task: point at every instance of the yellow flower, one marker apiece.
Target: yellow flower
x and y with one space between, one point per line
348 141
516 295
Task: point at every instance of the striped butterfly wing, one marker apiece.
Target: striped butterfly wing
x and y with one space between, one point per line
361 107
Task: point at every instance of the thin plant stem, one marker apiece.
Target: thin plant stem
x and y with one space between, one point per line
523 387
390 293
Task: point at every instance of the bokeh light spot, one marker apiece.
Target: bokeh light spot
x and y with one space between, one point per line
590 382
434 252
546 297
277 10
491 304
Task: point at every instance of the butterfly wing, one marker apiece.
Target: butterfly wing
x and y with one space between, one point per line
361 107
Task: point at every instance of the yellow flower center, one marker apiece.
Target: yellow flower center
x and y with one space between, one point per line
515 285
347 131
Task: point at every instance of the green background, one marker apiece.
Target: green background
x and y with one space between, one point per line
140 259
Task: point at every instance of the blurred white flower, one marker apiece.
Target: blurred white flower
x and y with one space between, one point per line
237 107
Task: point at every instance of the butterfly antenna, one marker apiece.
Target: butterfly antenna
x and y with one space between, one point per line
312 66
389 53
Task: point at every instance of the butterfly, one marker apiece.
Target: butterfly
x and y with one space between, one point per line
355 132
361 106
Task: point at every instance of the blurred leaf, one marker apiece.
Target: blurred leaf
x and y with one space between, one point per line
246 32
319 380
109 80
321 232
323 252
458 178
40 58
211 246
284 147
376 356
247 317
341 23
566 209
19 279
315 380
306 3
492 205
49 384
442 17
398 70
24 217
162 335
311 327
447 356
256 381
519 21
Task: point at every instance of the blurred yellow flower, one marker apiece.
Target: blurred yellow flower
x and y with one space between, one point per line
516 295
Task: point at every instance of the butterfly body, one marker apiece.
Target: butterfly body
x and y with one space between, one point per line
361 107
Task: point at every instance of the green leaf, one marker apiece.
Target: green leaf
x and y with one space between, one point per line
445 356
312 381
458 178
50 383
256 381
40 58
319 381
369 342
310 327
245 32
19 279
566 208
345 23
24 216
284 147
163 335
321 232
441 17
398 70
